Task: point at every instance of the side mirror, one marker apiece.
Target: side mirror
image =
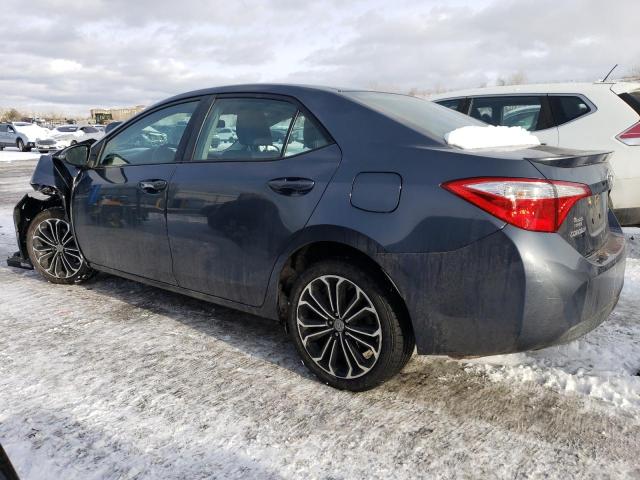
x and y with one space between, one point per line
76 155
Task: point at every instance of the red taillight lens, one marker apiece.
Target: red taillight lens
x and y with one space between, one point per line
528 203
631 136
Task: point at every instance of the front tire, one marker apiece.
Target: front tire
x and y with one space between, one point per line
53 250
347 327
21 145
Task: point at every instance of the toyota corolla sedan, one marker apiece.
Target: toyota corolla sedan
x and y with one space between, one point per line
361 229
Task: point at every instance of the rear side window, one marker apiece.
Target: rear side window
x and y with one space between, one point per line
453 103
305 136
567 108
517 111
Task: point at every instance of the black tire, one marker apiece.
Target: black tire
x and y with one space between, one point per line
352 366
73 142
21 145
1 147
49 238
43 151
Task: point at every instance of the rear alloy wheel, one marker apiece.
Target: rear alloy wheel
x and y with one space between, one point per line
53 250
345 327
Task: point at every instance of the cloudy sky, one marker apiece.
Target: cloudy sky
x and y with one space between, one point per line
68 56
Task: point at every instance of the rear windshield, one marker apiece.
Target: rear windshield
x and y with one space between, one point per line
632 99
423 115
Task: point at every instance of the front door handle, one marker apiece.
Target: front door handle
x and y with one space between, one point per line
291 186
152 186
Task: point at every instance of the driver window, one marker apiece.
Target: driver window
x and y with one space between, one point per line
244 129
152 139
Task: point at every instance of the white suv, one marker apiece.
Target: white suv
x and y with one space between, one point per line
585 116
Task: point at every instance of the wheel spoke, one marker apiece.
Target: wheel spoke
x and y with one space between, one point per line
320 306
316 335
355 315
346 357
353 303
324 350
44 240
50 239
366 344
329 295
362 331
304 302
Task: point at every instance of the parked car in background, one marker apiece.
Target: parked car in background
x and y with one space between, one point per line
364 232
111 126
594 116
66 135
21 135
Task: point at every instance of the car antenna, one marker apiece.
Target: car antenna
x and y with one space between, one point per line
610 72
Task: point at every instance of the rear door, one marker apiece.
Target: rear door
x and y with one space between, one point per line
531 112
233 208
119 205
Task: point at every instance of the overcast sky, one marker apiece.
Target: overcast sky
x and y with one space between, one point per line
69 56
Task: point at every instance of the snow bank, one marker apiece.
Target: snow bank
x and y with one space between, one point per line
490 137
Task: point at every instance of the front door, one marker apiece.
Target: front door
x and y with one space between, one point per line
258 170
119 205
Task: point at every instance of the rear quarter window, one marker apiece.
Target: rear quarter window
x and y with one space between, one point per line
568 108
632 99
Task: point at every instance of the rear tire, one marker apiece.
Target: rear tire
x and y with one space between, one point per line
53 250
346 326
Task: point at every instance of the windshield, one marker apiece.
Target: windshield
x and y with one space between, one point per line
423 115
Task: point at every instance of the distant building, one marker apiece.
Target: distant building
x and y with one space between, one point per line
106 115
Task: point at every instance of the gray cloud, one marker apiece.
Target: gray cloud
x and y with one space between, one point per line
69 55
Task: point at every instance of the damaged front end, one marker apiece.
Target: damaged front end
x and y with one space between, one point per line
53 180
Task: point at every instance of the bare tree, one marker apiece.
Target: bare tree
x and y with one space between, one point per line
11 115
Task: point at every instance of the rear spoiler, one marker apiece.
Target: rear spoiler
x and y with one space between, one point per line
571 158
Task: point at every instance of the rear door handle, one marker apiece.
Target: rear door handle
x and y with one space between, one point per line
152 186
291 186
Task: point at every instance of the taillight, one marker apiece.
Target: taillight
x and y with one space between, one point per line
631 136
528 203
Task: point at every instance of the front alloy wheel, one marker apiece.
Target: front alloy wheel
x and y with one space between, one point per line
53 250
347 326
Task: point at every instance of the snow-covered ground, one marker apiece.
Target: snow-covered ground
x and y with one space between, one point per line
113 379
10 154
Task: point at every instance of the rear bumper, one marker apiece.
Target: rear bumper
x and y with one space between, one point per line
511 291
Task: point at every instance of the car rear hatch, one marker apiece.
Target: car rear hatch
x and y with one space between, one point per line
586 226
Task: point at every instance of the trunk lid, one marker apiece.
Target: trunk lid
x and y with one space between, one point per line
586 227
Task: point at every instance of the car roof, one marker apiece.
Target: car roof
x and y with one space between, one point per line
292 90
537 88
